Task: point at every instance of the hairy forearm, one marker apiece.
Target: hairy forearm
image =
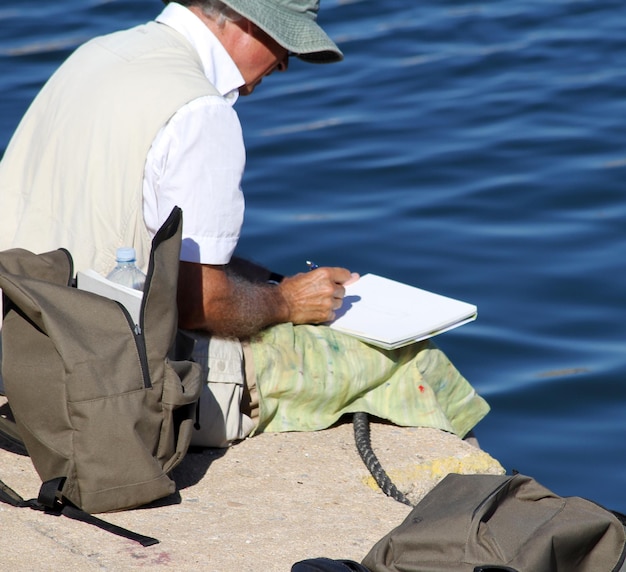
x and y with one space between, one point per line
219 300
246 309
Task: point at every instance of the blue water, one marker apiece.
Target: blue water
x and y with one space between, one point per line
473 148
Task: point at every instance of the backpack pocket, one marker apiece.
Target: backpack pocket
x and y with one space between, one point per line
508 520
181 387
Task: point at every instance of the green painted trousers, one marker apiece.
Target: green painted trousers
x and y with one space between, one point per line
307 377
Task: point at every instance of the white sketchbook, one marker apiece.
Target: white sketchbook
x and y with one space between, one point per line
390 314
130 298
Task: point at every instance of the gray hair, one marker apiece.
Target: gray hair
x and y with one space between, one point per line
214 9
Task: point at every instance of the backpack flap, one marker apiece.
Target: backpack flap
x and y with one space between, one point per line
52 267
531 528
159 322
22 272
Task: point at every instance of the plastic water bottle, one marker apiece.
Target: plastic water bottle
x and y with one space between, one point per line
126 271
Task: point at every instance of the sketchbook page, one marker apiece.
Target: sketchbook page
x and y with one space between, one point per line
92 281
391 314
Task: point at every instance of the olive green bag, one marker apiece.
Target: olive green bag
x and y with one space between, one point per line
102 411
489 523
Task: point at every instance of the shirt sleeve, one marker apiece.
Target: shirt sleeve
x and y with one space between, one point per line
196 162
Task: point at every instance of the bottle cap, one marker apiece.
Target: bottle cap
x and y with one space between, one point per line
125 254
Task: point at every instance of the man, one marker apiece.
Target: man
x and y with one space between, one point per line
136 122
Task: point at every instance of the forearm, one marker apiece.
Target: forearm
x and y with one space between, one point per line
246 309
222 302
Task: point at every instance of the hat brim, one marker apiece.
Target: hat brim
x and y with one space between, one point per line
297 32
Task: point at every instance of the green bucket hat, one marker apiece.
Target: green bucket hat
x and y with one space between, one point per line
292 24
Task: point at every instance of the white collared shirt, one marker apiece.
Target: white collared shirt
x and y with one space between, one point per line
197 159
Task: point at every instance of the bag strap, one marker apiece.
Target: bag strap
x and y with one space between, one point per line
48 502
49 496
9 496
328 565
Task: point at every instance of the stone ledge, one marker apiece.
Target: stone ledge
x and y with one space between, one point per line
264 504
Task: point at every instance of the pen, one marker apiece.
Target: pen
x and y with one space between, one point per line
311 265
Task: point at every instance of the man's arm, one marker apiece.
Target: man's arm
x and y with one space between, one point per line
236 301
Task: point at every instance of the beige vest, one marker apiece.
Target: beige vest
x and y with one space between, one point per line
72 174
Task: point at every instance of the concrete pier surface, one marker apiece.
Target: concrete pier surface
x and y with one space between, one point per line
262 505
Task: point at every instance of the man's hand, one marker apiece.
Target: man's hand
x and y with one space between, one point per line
313 297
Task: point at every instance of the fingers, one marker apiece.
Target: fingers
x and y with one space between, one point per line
353 278
313 297
341 278
337 275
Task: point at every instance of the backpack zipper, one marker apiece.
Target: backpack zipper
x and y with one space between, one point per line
140 345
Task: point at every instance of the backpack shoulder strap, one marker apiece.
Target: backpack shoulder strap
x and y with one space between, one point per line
49 499
48 502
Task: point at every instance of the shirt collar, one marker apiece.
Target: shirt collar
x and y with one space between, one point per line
218 66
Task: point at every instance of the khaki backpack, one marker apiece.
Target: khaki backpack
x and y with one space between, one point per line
102 411
489 523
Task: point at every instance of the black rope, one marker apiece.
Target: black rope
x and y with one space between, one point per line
364 446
